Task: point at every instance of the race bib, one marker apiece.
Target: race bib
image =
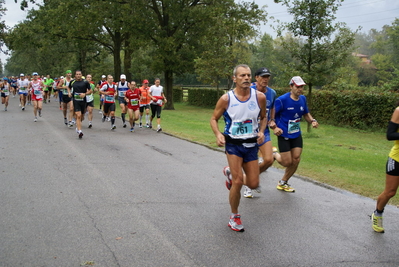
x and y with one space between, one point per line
89 98
110 98
122 93
37 92
293 126
134 102
22 89
65 91
242 128
78 97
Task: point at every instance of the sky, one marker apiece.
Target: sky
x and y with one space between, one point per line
368 14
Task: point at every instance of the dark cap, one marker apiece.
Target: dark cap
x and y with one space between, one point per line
262 72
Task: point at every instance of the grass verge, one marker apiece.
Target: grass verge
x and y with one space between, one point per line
346 158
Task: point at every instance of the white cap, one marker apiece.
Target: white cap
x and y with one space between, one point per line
297 80
103 76
22 75
123 76
62 77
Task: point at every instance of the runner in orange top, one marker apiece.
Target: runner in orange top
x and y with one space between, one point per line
145 100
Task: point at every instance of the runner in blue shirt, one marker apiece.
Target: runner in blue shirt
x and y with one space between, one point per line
289 109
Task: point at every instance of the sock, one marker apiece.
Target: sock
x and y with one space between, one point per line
232 215
159 126
140 118
113 120
378 212
147 118
123 117
134 124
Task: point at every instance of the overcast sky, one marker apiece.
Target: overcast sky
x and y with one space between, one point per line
368 14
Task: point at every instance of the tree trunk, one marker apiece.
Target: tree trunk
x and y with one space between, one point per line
117 55
169 89
127 60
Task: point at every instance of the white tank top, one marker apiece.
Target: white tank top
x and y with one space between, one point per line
241 117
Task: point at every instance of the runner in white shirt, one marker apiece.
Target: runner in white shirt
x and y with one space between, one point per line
157 100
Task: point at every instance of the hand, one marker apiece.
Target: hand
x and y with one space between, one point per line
220 140
277 131
315 124
261 138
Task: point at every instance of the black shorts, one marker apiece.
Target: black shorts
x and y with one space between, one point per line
392 167
66 99
156 110
79 106
286 144
90 104
109 107
122 100
142 108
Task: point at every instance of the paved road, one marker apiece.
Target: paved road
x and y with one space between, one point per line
150 199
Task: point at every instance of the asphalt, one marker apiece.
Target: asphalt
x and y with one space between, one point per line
116 198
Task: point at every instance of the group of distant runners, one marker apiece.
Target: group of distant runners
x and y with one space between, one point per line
76 98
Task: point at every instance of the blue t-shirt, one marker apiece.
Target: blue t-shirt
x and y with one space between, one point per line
270 99
289 113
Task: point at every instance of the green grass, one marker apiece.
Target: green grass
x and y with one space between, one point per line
346 158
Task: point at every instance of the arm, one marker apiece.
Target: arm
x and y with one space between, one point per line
164 98
272 122
311 120
393 126
221 106
263 117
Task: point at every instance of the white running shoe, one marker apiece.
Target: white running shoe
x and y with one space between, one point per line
248 192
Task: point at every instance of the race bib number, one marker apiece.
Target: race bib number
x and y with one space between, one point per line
109 98
89 98
242 128
65 91
78 97
37 92
134 102
122 93
293 126
22 89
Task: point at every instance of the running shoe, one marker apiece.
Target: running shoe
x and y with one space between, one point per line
70 124
103 119
159 129
108 119
140 125
19 104
5 109
35 120
149 126
40 112
23 108
100 112
248 192
90 125
226 172
113 127
65 121
235 223
283 186
377 223
131 129
80 134
124 125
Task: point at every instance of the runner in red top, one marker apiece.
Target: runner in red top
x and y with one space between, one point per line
36 85
132 97
109 90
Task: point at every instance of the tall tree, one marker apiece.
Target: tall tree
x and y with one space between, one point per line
319 46
176 28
